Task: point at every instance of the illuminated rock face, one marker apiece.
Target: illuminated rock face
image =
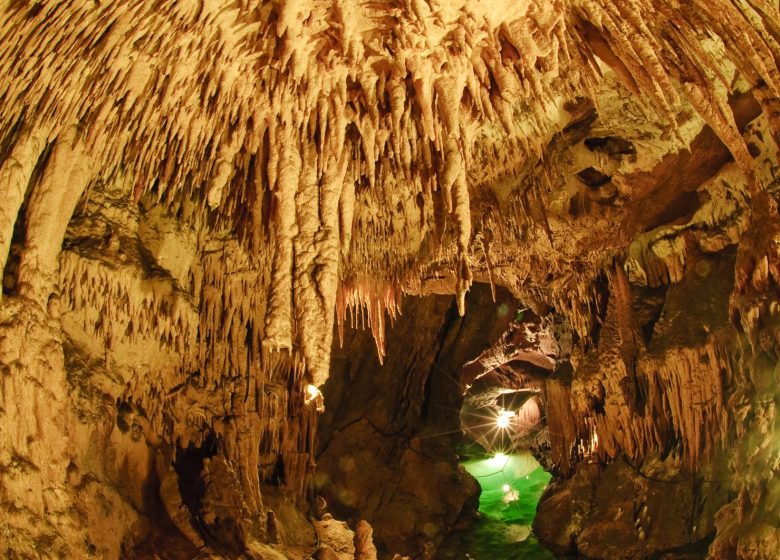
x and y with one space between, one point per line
196 197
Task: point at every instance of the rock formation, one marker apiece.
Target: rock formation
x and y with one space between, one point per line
201 199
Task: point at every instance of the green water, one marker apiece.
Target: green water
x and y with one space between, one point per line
493 540
511 488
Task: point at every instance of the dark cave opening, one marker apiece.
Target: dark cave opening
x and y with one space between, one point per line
188 465
401 459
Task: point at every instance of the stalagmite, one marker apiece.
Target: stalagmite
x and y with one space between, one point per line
364 542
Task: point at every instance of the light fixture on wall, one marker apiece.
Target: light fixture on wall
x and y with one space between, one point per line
315 397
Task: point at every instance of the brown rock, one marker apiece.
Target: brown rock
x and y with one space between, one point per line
364 541
325 553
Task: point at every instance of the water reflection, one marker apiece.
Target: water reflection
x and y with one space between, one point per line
488 539
511 488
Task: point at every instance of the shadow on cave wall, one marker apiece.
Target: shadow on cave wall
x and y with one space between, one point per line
388 437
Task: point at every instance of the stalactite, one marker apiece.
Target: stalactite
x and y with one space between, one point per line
638 402
365 139
374 298
644 48
279 317
145 308
15 174
50 208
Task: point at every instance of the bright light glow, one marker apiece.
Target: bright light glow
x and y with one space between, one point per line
504 418
314 397
594 443
313 391
506 488
499 459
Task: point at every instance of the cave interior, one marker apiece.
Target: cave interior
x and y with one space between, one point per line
390 279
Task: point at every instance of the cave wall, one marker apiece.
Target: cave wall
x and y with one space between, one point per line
149 350
668 391
636 428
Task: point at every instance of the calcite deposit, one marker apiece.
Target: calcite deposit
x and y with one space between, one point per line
204 202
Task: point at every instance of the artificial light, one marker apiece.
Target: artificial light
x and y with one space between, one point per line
504 418
313 395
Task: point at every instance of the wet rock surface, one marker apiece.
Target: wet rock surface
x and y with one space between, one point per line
621 511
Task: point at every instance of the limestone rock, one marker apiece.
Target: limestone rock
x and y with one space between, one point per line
364 541
199 203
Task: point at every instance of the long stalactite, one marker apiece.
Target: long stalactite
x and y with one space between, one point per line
314 161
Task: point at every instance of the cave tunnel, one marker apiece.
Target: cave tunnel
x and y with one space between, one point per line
431 412
376 280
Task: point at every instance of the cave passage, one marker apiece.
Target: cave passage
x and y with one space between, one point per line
266 267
